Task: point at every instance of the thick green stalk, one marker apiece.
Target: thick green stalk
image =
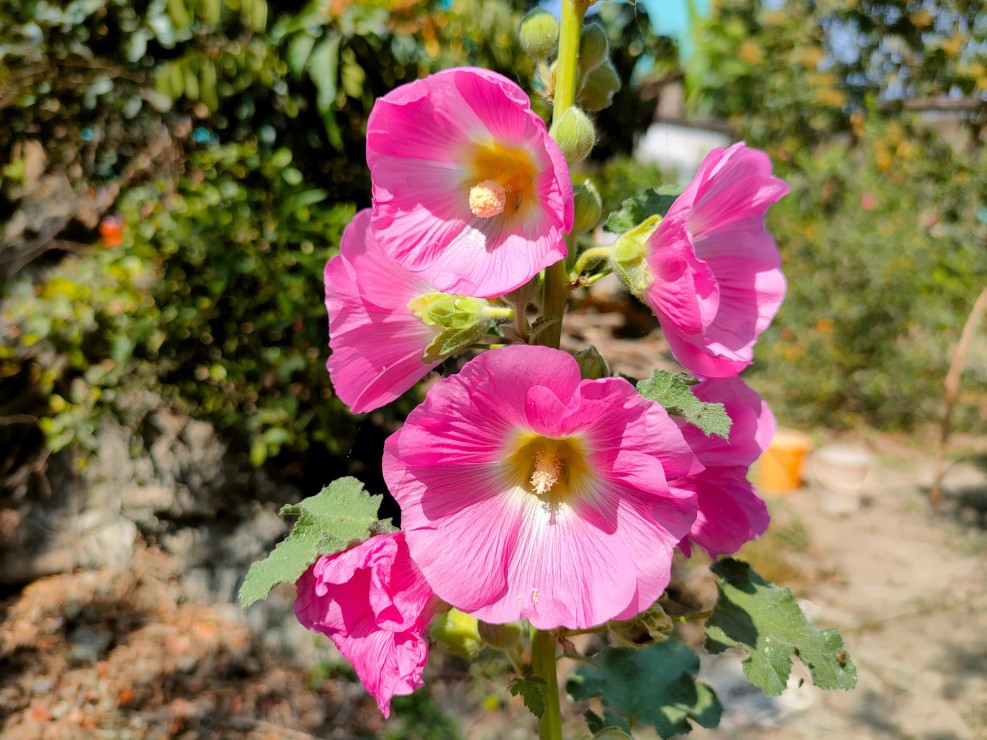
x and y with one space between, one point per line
543 665
556 289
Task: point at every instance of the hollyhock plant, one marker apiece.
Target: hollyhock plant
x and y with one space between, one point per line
374 604
381 339
527 493
469 191
713 274
730 512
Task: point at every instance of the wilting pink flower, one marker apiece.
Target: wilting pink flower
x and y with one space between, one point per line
527 493
715 272
730 512
378 344
469 190
374 604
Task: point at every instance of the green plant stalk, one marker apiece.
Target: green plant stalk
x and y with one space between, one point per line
543 666
556 289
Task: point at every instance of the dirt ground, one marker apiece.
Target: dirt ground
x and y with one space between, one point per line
124 654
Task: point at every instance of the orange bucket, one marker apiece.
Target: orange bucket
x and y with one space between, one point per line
780 468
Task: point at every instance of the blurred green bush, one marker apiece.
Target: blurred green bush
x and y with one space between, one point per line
885 250
213 300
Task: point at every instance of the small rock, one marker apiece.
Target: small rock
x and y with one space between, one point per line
88 645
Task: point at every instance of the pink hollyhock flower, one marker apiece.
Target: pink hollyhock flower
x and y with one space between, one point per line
380 346
716 280
730 512
375 605
469 190
527 493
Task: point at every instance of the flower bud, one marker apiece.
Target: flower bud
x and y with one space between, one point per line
593 47
458 632
501 636
575 135
599 88
592 365
588 207
463 321
539 33
647 628
628 257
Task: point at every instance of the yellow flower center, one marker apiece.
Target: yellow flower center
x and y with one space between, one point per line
501 180
554 470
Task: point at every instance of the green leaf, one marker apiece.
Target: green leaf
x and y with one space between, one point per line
637 208
672 390
532 690
340 515
765 619
656 686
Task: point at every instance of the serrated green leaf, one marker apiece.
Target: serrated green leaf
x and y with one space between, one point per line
765 619
673 391
656 686
637 208
532 690
340 515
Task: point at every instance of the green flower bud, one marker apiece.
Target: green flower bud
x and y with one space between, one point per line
501 636
628 257
539 33
588 207
575 135
647 628
593 47
458 632
462 320
592 365
599 88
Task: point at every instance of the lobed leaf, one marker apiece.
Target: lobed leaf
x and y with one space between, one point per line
673 391
637 208
655 686
763 618
340 515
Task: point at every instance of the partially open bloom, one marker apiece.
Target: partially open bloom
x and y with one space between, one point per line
715 273
469 190
382 337
527 493
374 604
730 512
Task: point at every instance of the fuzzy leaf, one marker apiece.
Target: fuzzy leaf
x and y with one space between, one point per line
672 390
340 515
656 686
765 619
634 210
532 690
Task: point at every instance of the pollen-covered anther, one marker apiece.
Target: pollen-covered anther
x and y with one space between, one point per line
488 199
547 471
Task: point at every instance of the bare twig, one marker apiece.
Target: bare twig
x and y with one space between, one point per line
952 389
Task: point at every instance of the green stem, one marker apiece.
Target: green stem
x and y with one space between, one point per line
590 255
498 312
556 289
543 665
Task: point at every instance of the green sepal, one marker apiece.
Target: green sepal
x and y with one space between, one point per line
462 320
765 620
628 257
339 516
674 392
